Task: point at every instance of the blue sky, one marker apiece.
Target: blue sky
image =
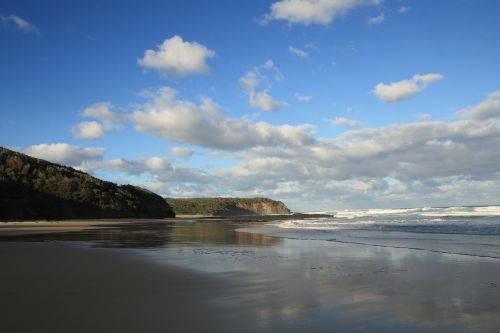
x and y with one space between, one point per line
325 104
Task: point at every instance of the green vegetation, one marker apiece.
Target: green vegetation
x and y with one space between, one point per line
227 206
31 188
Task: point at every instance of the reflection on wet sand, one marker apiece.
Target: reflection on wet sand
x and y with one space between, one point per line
246 238
219 233
125 235
291 285
323 285
156 234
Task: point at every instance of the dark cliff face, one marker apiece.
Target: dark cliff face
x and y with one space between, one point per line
228 206
31 188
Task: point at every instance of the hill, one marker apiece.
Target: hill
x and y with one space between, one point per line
227 206
32 188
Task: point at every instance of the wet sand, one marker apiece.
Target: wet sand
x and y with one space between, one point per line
208 277
14 228
60 288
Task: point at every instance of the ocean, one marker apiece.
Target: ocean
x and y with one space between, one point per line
482 220
465 231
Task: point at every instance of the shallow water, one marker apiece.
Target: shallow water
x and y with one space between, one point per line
349 280
326 285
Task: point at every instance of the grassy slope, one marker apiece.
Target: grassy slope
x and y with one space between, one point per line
32 188
227 206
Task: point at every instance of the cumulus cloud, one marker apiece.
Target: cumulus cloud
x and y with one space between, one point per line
374 20
154 165
88 130
107 121
103 112
177 58
342 121
161 175
181 152
401 163
66 154
422 163
298 52
182 121
302 98
488 109
20 23
397 91
262 78
313 11
262 100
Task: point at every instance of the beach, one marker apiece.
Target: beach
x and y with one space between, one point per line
222 276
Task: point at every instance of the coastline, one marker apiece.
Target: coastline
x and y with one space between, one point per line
136 279
17 228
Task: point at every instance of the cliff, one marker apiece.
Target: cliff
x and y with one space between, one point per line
227 206
32 188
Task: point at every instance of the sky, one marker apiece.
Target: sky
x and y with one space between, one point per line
324 104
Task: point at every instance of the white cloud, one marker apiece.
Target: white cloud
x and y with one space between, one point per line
404 9
88 130
374 20
204 125
397 91
262 77
488 109
422 163
401 160
177 58
107 121
302 98
263 101
342 121
102 111
298 52
20 24
424 116
250 81
154 165
181 152
66 154
313 11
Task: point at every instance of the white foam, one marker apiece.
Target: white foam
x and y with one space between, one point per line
423 211
377 212
465 211
456 220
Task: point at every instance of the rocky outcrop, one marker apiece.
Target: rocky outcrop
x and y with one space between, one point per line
227 206
32 188
262 206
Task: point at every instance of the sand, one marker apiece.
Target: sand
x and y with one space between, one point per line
207 277
13 228
58 288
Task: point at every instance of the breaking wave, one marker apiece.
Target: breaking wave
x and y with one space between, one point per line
479 220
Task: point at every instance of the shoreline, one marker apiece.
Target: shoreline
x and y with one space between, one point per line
206 276
25 227
19 228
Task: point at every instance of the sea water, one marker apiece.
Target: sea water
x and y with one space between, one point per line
484 220
463 231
